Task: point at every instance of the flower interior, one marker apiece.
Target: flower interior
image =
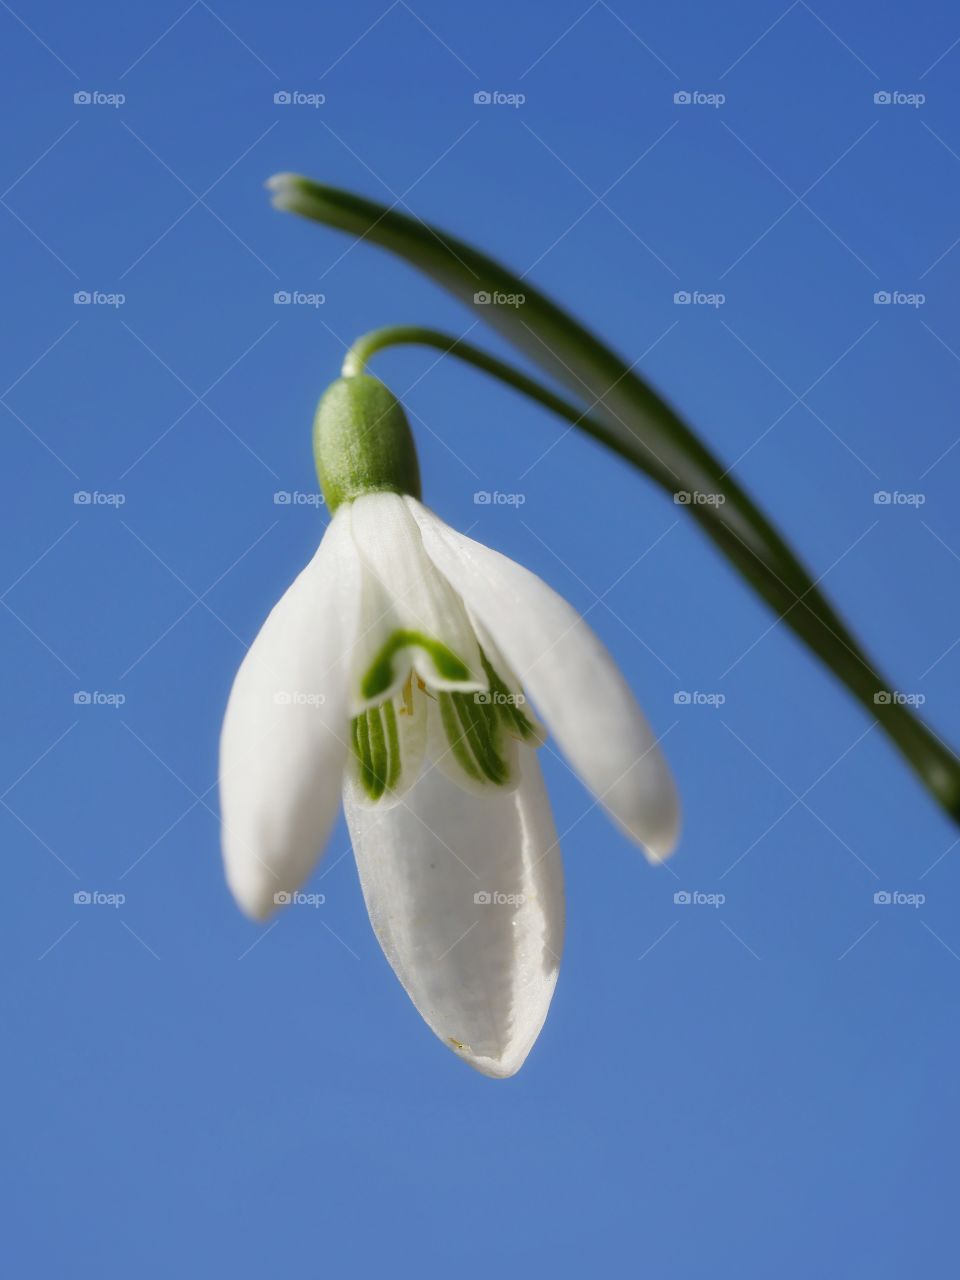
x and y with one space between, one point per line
470 734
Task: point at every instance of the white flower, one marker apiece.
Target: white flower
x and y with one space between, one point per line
393 670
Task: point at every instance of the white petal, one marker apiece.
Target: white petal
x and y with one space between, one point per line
465 894
577 687
285 732
402 592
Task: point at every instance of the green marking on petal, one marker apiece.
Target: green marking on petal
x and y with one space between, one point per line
393 745
456 737
378 748
504 702
380 674
375 737
474 733
375 746
486 738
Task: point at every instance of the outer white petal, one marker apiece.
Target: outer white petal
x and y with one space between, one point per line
285 732
577 687
465 894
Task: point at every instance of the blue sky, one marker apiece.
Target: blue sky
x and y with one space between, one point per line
747 1088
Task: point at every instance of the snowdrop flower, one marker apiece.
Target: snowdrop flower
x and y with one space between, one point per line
395 673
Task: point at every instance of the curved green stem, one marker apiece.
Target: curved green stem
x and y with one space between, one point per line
807 612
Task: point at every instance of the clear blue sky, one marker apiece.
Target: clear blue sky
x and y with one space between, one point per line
767 1087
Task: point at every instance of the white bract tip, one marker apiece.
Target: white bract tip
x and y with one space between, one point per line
287 192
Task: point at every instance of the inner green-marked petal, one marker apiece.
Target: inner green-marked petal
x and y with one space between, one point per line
484 736
374 737
456 737
393 745
380 675
477 726
473 732
505 703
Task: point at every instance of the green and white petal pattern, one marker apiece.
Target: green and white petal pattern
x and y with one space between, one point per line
465 894
285 733
575 684
388 743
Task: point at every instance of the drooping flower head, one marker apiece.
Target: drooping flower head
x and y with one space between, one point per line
395 672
